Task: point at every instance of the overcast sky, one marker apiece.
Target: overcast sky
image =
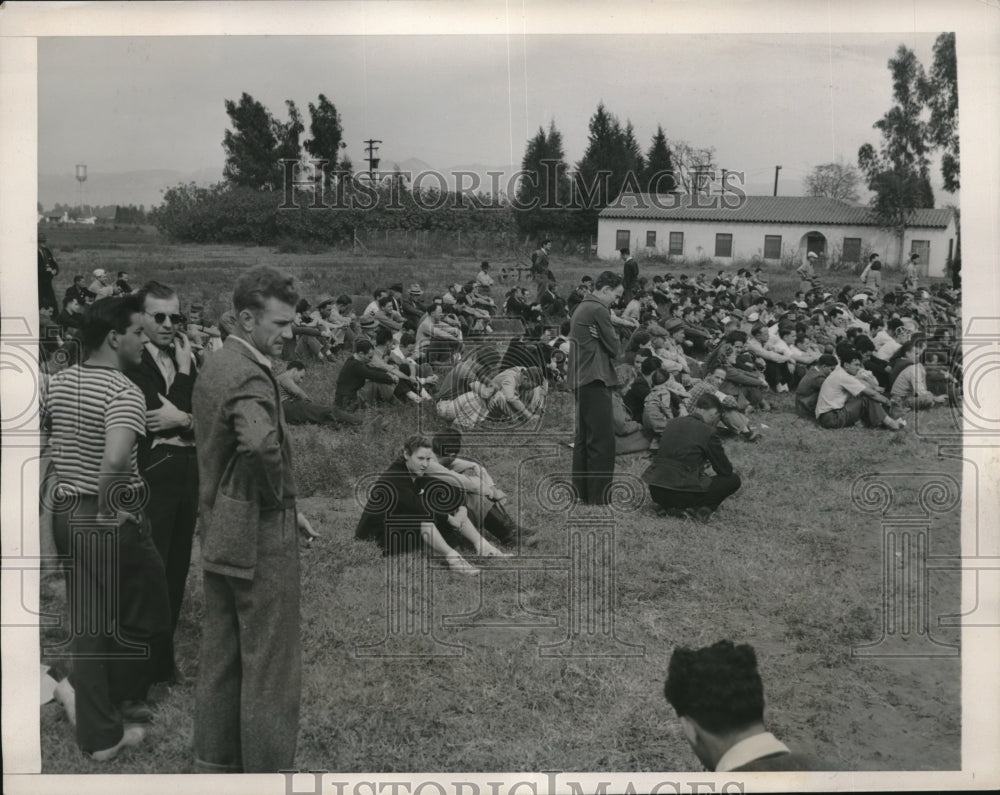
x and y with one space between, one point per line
123 104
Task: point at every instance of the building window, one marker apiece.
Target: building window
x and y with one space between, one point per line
650 239
621 239
723 245
852 249
772 246
676 243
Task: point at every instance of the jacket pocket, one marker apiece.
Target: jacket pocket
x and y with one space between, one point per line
231 533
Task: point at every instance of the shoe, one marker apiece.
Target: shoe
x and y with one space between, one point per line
460 565
66 696
136 712
132 735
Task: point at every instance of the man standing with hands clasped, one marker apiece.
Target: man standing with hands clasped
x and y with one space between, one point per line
591 373
250 671
167 457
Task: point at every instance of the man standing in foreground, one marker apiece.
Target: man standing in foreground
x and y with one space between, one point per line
719 698
115 589
591 373
249 678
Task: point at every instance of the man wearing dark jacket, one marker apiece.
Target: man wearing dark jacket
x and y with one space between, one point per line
167 456
630 276
356 372
635 397
591 373
719 698
677 478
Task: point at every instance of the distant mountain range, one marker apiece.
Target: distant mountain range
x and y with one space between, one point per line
147 187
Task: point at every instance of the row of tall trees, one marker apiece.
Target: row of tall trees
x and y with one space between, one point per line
551 198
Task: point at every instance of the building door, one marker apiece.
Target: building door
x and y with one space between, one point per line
923 248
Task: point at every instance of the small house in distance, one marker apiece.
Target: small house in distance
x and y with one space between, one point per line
727 227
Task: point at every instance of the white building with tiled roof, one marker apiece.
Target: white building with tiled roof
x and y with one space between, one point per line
728 228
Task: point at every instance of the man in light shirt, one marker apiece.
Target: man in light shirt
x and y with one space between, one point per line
718 696
845 398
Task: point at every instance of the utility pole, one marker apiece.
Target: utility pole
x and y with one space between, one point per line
776 170
372 160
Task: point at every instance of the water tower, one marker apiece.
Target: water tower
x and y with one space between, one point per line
81 177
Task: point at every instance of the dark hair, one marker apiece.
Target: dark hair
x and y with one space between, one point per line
122 273
295 365
484 264
564 327
650 365
384 301
256 285
415 442
736 335
639 338
362 345
107 315
847 353
344 300
660 376
407 338
863 344
827 360
607 279
447 444
623 251
382 335
302 305
706 400
718 686
154 289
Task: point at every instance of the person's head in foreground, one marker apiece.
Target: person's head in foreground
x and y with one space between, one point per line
264 301
718 696
608 288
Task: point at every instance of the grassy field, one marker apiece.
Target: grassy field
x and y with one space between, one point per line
789 565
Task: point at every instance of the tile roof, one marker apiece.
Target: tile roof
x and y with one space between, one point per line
759 209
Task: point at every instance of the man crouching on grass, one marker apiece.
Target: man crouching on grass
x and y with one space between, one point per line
677 478
250 670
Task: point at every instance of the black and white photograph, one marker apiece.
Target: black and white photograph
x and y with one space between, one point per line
500 397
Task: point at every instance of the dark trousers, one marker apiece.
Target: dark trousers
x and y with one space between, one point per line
250 672
305 412
171 475
722 486
119 617
856 408
594 444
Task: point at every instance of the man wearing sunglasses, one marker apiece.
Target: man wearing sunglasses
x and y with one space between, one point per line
167 459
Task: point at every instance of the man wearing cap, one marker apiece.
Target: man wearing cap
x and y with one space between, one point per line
100 287
871 277
412 306
670 349
591 373
807 272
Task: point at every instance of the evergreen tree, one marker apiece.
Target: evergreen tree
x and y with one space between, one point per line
257 143
658 176
543 189
327 135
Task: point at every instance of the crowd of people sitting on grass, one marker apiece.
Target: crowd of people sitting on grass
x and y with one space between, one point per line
857 355
139 397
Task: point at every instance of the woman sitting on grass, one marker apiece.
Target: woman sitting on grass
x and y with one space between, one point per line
407 506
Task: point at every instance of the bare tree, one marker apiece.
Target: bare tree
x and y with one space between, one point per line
689 163
835 181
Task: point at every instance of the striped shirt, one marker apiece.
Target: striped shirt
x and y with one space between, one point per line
82 403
